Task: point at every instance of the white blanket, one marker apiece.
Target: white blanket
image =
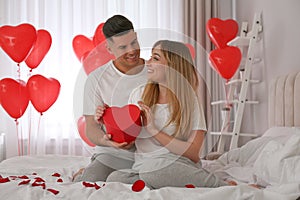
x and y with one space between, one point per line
279 163
270 160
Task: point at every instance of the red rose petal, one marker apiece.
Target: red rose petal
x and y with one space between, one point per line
189 186
23 177
39 179
94 185
60 180
87 184
13 177
34 173
34 184
53 191
25 182
97 187
4 180
56 174
138 186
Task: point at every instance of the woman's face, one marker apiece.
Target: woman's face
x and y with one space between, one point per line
157 66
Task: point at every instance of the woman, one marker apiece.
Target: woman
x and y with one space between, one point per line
169 145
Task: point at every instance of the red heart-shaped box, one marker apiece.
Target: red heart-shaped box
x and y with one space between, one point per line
123 123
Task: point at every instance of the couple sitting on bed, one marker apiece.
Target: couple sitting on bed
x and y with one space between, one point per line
166 153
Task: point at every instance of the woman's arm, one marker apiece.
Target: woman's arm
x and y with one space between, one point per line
190 148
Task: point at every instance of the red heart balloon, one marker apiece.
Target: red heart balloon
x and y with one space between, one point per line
221 32
81 45
124 124
96 58
81 125
43 92
99 35
14 97
40 49
226 61
17 41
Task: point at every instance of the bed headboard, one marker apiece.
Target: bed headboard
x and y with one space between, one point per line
284 101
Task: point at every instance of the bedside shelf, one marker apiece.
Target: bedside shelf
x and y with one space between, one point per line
240 80
235 101
239 41
230 134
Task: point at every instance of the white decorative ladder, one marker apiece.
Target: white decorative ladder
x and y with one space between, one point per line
245 39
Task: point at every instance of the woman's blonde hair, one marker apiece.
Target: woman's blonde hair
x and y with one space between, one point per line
181 81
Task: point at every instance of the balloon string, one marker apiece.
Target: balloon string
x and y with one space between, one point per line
19 71
17 123
226 122
22 141
29 133
228 90
30 121
38 129
228 105
226 95
29 73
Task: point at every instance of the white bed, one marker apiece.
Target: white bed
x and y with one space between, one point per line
272 160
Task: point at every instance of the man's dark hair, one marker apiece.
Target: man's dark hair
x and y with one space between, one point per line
116 25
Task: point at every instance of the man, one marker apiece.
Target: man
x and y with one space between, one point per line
112 84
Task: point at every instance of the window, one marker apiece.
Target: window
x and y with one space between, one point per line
56 130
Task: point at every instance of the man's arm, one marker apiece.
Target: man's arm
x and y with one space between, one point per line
94 131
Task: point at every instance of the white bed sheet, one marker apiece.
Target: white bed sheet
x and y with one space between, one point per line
251 163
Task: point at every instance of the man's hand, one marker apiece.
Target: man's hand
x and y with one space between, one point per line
123 145
99 113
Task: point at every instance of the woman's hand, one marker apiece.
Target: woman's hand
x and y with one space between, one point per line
99 113
147 117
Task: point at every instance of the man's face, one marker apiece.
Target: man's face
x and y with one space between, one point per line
126 49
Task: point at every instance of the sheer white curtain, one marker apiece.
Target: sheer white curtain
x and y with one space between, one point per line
196 15
56 130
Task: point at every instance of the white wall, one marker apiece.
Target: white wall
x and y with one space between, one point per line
279 49
281 32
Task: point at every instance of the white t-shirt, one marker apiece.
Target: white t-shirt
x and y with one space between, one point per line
108 85
146 145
